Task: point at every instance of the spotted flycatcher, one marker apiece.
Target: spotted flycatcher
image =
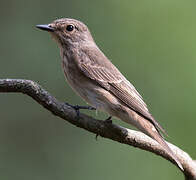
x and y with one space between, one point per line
98 81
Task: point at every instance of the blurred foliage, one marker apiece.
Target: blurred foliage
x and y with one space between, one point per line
152 42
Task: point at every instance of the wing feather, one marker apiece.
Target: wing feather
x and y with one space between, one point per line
100 69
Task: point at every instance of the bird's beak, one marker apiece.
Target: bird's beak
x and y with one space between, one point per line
45 27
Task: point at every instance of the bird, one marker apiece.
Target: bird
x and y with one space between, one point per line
94 78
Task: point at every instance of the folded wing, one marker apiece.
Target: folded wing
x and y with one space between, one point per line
100 69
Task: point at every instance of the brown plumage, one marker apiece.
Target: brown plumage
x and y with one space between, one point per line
109 77
99 82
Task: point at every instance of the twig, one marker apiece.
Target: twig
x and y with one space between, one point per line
107 130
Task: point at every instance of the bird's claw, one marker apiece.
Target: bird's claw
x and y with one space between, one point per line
96 137
77 108
108 120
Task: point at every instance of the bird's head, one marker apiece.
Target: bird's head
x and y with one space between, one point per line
68 32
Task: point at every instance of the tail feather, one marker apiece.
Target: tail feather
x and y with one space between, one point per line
148 128
162 142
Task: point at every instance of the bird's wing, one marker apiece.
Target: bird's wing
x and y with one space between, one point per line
117 86
110 78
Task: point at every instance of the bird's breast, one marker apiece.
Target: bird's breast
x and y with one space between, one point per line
88 89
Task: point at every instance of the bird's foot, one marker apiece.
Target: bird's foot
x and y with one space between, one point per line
77 108
96 137
109 121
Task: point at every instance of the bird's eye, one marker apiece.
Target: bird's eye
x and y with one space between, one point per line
70 27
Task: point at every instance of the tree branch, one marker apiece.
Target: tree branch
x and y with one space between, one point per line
107 130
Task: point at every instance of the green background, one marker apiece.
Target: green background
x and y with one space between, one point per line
152 42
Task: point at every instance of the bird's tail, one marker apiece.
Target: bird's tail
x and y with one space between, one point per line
148 128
